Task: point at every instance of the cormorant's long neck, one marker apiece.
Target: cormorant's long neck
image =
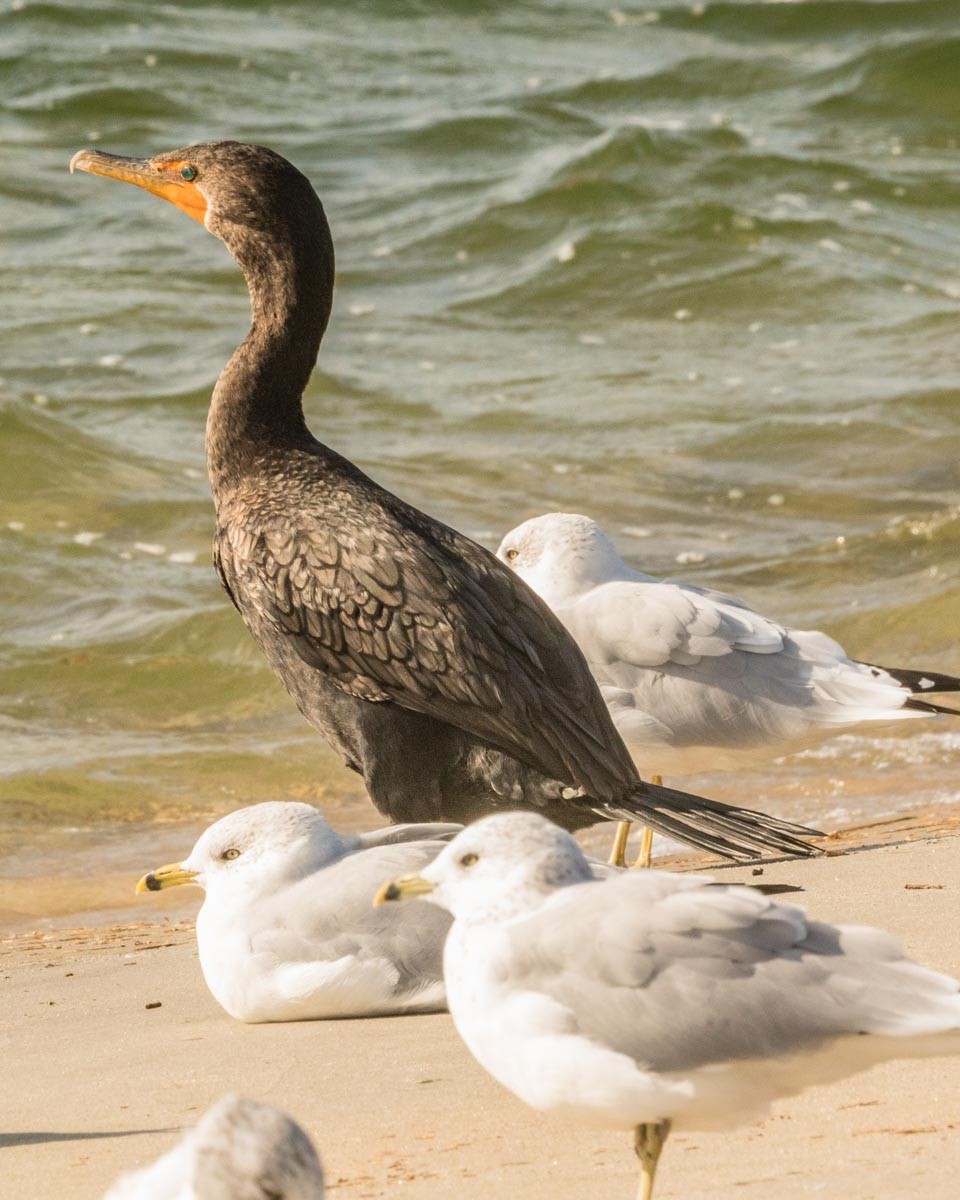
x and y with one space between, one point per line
257 402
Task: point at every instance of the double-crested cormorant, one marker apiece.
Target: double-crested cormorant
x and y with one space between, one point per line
435 672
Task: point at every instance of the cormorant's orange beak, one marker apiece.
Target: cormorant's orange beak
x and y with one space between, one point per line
164 180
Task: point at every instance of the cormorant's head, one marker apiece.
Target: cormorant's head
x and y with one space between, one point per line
246 195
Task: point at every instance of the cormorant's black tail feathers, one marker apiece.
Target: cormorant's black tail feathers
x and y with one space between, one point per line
919 682
724 829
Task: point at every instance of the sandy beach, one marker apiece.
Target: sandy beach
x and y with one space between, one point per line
112 1046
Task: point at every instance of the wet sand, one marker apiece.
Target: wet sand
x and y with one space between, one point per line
97 1082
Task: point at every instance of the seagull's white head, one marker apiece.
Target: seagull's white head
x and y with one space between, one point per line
256 850
242 1150
560 555
499 867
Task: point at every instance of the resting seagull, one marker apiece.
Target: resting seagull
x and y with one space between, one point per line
286 931
651 1001
696 680
438 676
240 1150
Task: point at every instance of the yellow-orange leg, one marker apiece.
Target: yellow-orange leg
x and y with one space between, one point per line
618 855
648 1143
646 842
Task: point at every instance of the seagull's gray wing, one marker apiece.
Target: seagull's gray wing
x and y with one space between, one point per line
330 915
684 666
427 831
648 623
678 973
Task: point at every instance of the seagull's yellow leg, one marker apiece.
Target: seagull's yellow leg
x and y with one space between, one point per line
648 1143
618 855
646 849
646 842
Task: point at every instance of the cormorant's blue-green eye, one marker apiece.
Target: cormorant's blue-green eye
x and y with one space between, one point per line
188 173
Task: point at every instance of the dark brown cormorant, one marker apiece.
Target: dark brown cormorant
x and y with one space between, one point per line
437 674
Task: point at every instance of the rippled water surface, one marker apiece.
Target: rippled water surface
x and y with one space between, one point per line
693 269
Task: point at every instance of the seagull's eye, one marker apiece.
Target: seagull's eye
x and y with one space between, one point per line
188 173
512 554
230 854
468 860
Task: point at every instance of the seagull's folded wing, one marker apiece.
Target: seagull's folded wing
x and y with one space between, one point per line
330 915
650 624
427 831
677 974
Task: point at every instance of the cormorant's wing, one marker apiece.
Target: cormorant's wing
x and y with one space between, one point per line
392 605
221 569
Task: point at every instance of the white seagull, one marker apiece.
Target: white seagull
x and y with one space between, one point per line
286 931
240 1150
696 680
649 1001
